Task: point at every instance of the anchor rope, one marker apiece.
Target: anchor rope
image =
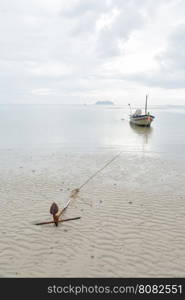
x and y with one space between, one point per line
77 190
101 169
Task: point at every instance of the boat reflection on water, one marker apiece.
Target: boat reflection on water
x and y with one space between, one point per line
142 131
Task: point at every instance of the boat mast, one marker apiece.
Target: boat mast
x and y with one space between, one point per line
146 104
130 108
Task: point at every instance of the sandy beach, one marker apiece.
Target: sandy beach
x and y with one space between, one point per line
132 214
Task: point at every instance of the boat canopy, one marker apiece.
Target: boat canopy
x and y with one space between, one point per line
138 112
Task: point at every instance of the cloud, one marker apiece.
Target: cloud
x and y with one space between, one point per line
79 8
170 73
89 48
126 19
160 79
173 58
43 92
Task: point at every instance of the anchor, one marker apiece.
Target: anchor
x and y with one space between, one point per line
54 210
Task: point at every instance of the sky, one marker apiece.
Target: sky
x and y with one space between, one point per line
82 51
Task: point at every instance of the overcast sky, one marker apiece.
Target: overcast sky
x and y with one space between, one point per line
81 51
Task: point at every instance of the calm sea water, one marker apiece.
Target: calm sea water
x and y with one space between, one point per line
90 127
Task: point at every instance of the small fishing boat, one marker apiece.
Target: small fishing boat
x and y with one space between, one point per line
141 119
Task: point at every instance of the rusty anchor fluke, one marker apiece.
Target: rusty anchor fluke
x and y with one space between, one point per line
53 211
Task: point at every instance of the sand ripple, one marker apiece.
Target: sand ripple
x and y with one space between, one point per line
132 221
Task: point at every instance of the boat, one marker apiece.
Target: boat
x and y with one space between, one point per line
141 119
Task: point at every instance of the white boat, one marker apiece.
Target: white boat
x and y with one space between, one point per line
141 119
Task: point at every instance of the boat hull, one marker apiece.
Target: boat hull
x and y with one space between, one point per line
143 120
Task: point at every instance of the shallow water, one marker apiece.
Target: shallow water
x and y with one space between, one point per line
90 127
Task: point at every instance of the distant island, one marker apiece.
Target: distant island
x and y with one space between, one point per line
104 103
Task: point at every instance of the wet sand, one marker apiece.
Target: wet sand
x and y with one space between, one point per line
132 215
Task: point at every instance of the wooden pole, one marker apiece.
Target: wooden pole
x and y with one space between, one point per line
73 195
130 108
55 219
62 220
146 104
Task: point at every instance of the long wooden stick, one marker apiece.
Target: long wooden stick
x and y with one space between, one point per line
63 220
73 194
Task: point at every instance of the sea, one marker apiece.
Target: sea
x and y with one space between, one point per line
90 128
